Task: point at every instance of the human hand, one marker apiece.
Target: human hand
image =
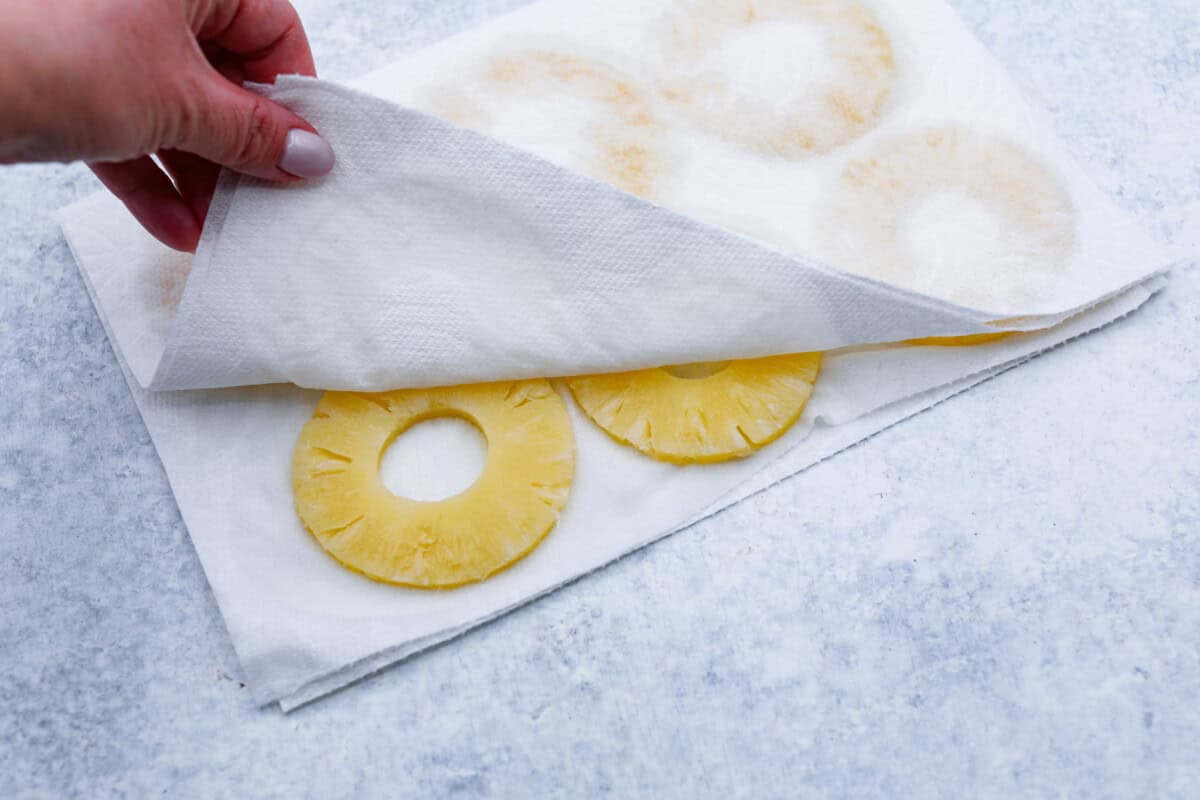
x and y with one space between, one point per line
114 81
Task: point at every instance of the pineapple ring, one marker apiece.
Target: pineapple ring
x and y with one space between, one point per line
973 340
875 193
624 134
834 114
465 538
699 415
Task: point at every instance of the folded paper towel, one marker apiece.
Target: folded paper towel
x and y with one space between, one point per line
435 255
565 275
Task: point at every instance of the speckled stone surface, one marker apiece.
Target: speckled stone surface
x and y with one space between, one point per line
998 598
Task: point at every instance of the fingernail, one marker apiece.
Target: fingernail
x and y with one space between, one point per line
306 155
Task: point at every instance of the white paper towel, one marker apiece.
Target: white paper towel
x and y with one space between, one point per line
434 255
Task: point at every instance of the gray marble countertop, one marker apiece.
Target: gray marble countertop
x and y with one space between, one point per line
1000 597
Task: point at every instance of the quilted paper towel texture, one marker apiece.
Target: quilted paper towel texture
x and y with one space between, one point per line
435 256
302 625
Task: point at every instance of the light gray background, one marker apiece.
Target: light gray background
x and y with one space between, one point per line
1000 597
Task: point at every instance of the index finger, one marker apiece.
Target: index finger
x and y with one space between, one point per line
266 34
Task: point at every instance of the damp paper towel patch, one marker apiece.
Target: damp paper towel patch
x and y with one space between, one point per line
689 181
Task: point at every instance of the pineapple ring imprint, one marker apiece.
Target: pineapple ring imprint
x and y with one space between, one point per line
500 518
876 192
832 115
626 137
700 414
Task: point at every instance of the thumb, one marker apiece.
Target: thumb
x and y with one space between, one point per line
248 133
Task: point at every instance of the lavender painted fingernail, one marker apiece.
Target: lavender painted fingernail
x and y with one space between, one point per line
306 155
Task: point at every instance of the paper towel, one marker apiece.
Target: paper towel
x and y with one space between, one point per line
363 281
433 256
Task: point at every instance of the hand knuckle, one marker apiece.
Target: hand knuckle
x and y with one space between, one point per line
256 140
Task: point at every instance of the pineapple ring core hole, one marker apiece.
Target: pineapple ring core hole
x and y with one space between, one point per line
778 59
950 228
697 372
434 458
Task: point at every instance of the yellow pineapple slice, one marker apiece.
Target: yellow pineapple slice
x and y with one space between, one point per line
701 413
960 341
506 513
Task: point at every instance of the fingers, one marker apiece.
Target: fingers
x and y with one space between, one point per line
195 179
250 134
149 195
252 40
213 121
266 34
